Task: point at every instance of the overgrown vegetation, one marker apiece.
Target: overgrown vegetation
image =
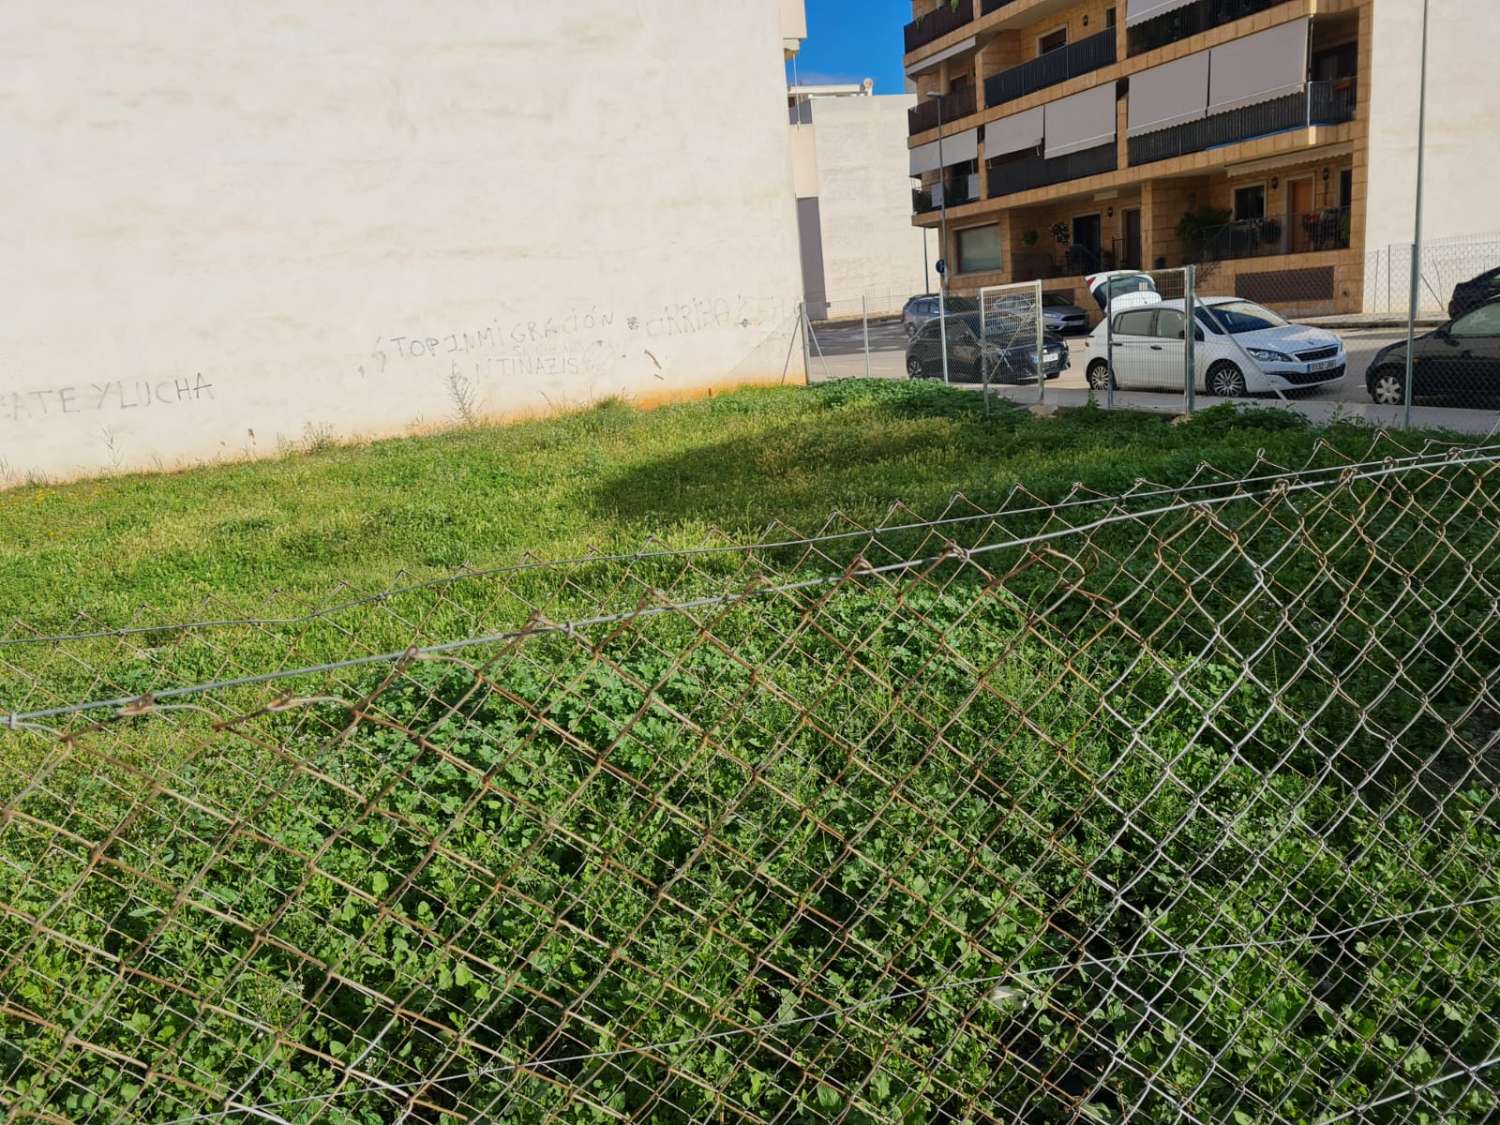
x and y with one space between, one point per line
479 881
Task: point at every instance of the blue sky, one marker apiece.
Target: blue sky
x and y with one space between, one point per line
848 40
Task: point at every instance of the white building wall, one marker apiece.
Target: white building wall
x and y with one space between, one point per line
231 225
870 248
1462 162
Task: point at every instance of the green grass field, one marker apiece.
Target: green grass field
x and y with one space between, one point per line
927 847
605 478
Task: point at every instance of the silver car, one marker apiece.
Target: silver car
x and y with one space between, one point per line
919 310
1063 317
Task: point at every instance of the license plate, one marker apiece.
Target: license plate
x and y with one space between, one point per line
1323 365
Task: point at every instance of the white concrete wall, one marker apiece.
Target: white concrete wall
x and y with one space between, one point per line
870 248
1463 162
231 225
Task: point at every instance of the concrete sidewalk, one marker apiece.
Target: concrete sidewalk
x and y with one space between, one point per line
1372 320
1471 422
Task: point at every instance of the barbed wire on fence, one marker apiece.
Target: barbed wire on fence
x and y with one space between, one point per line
1178 805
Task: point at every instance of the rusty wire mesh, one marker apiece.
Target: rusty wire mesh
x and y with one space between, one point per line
1173 806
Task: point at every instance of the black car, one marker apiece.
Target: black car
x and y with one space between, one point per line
919 310
1007 353
1475 292
1459 360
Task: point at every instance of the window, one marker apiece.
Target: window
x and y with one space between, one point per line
1250 203
1109 17
1135 322
1052 41
979 249
1169 324
1245 316
1346 187
1115 287
1206 321
1481 322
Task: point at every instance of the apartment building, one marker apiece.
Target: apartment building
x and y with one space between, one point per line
237 228
1069 136
859 250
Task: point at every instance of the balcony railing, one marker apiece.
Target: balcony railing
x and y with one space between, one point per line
1010 176
1191 19
1069 261
954 190
1319 103
1048 70
947 17
1303 233
927 112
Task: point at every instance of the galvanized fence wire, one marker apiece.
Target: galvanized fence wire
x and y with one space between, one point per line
1176 809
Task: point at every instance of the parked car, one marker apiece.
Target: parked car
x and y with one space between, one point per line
1474 292
1062 316
1122 289
919 310
1459 359
1007 352
1240 348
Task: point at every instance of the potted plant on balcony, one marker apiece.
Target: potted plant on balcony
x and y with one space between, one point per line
1060 233
1030 238
1196 229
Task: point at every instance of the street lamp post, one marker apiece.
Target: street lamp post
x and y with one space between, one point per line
943 244
1416 246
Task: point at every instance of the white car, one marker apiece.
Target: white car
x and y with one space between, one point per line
1122 289
1241 348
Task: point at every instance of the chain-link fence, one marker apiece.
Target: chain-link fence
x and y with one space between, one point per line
1172 806
1323 338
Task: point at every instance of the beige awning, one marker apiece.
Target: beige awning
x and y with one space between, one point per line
1015 133
1259 67
1138 11
1169 95
1082 121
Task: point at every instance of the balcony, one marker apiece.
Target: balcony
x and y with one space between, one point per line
1012 175
947 17
1081 57
1321 103
1307 233
1070 261
927 112
994 6
1192 19
956 189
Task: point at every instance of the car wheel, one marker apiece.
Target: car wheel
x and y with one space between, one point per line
1388 386
1099 379
1225 380
914 367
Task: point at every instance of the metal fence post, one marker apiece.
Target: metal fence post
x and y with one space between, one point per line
1411 334
943 328
864 312
1189 338
1109 352
806 351
1041 348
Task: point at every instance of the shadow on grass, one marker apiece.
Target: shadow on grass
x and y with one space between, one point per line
871 445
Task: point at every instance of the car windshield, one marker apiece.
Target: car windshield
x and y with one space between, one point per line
1053 301
1245 316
